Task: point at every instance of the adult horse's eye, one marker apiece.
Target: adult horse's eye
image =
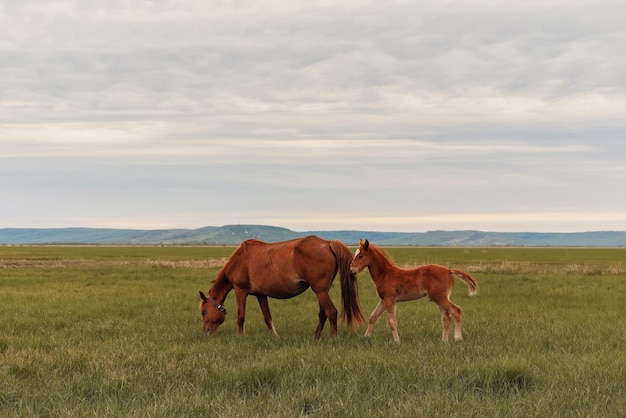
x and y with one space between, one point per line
203 313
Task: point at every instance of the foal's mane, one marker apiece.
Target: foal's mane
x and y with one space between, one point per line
383 254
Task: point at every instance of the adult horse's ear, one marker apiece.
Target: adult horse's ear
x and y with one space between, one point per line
202 296
366 245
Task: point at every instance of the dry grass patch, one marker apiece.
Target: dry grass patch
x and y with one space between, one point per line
517 267
114 262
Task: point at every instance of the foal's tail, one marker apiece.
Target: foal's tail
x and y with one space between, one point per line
471 283
349 290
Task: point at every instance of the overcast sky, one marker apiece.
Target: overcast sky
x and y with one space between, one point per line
372 115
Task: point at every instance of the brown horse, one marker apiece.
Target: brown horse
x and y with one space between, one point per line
283 270
394 284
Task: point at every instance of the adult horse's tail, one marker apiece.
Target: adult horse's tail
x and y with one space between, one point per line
471 283
349 290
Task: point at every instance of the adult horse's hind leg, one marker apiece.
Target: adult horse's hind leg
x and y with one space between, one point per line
320 324
267 316
327 311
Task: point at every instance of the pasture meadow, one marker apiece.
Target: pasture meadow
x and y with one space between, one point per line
115 331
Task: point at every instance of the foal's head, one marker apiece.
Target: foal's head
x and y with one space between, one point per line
213 314
361 257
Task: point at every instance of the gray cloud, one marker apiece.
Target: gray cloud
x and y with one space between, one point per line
172 113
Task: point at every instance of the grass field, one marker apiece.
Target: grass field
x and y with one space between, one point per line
115 331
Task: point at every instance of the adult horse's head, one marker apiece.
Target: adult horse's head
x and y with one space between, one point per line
213 314
361 257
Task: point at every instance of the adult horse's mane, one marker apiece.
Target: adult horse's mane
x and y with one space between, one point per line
221 273
249 241
240 249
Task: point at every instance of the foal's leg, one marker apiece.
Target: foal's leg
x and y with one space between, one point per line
327 310
450 309
455 311
391 319
445 323
267 316
378 310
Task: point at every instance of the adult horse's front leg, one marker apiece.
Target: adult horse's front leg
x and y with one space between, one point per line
241 296
267 316
327 311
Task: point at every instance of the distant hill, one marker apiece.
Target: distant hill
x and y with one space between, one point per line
234 234
229 234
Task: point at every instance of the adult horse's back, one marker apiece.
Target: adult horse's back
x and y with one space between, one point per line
283 270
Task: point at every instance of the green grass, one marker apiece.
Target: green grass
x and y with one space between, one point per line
115 331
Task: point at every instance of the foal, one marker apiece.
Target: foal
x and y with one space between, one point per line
394 284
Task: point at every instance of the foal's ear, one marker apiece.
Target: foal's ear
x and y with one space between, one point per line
202 296
366 245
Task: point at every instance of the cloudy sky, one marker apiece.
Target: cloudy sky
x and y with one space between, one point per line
388 116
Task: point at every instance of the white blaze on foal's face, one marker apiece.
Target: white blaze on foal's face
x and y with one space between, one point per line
358 263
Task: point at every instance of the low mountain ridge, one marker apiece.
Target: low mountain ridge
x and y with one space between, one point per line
234 234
